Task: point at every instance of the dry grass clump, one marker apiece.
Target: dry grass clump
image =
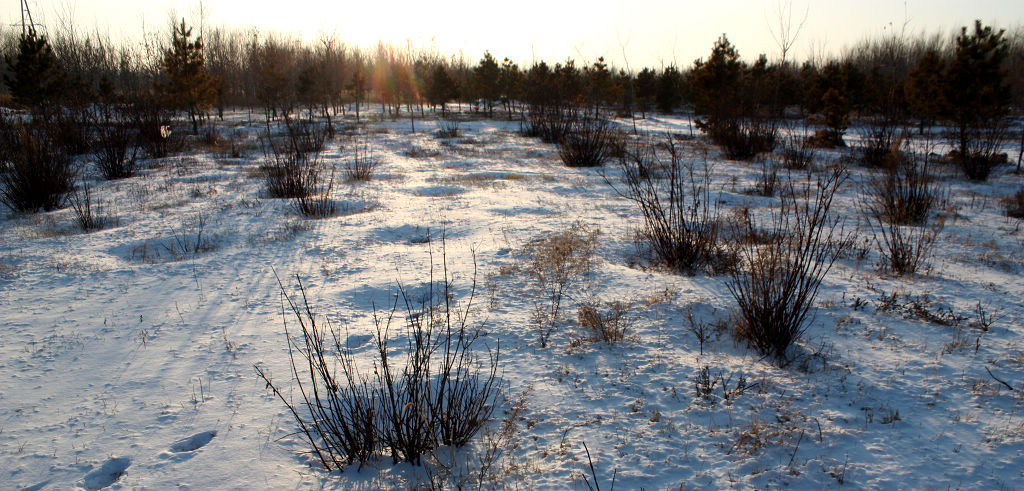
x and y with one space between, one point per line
555 264
608 322
1015 204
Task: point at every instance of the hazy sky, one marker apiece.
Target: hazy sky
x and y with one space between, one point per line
652 32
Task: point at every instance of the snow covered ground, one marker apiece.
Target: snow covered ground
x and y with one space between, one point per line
127 363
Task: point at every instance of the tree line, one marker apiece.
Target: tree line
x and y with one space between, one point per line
926 79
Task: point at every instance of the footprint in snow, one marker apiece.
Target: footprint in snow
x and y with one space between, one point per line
194 442
107 474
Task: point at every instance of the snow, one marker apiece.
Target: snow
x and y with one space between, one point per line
125 362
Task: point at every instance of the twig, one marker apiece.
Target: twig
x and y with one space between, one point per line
792 457
1008 386
597 485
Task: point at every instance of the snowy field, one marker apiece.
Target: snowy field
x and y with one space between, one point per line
126 362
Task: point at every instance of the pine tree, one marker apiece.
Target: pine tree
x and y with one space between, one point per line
646 89
537 87
188 87
837 118
714 83
485 81
599 82
668 90
924 88
36 77
510 82
975 92
441 87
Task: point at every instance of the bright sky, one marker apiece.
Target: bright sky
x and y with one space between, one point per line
651 32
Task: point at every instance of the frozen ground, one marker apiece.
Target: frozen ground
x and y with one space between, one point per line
124 364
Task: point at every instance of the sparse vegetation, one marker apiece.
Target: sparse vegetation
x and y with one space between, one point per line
665 375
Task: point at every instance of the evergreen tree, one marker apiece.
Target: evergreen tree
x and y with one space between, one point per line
537 88
441 87
188 87
837 118
599 82
975 93
568 84
36 77
924 88
646 89
485 81
510 82
715 83
668 90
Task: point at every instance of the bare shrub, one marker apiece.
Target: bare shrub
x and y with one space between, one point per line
295 167
741 140
556 263
905 248
680 222
880 140
318 204
152 121
978 164
767 180
705 382
362 164
797 153
88 215
1015 204
776 288
490 463
904 192
68 128
902 200
36 172
191 237
337 413
608 323
700 329
116 149
589 142
448 128
550 124
439 394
